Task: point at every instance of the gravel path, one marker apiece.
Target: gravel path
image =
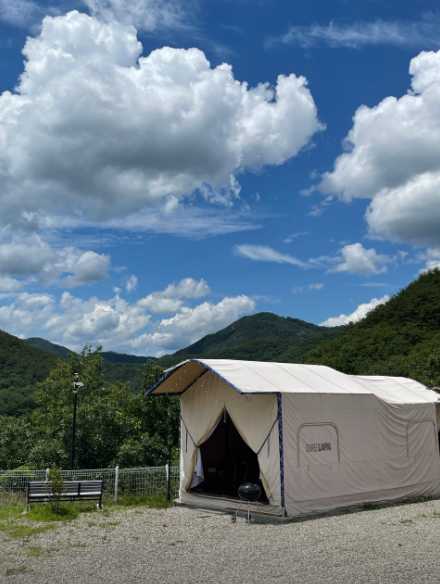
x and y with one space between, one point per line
394 545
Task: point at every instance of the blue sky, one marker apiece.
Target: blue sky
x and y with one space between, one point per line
161 180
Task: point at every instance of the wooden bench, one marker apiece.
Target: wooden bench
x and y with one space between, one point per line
41 492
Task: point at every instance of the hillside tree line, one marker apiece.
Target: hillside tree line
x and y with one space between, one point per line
115 424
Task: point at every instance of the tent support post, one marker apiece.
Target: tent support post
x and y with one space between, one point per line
281 449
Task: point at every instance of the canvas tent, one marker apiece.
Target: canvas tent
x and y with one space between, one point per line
315 438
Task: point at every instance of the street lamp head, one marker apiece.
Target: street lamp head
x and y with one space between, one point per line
77 384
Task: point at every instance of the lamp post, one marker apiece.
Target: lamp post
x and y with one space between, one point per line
76 386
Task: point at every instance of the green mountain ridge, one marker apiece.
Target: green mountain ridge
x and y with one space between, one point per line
21 367
260 337
399 338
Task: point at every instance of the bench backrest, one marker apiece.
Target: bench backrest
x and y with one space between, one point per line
69 487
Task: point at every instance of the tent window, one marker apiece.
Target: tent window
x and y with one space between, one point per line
318 444
227 462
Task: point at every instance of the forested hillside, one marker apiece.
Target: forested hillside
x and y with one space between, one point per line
21 368
260 337
401 337
116 424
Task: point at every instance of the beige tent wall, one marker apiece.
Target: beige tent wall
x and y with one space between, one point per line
341 450
254 416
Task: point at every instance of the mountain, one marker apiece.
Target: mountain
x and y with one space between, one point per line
112 357
401 337
118 367
65 353
48 347
260 337
21 367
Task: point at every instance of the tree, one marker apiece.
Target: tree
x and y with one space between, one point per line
15 441
115 425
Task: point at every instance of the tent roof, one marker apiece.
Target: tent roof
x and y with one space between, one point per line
257 377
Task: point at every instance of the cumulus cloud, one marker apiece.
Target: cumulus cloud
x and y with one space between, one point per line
415 33
31 258
143 130
8 284
147 15
264 253
20 13
358 314
393 157
171 298
187 288
85 267
356 259
432 260
190 324
116 323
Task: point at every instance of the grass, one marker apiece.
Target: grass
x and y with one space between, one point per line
22 530
17 524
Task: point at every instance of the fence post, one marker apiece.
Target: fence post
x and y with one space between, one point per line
47 475
168 478
116 486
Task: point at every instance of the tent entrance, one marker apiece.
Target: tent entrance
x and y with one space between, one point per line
228 462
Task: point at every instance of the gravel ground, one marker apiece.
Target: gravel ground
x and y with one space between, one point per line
399 544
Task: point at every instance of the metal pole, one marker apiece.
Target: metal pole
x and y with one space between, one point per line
75 405
168 476
115 494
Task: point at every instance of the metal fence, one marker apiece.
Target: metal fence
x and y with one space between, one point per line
118 482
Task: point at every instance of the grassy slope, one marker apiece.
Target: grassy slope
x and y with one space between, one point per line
401 337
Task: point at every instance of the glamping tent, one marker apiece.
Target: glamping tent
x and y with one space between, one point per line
314 439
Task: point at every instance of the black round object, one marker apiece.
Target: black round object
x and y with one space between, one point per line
249 492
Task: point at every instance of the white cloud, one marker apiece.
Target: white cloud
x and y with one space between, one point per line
157 304
432 259
361 312
131 284
31 258
25 258
190 324
8 284
264 253
393 156
85 267
147 15
186 221
20 13
171 298
356 259
310 287
352 258
145 131
414 33
114 322
187 288
293 236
